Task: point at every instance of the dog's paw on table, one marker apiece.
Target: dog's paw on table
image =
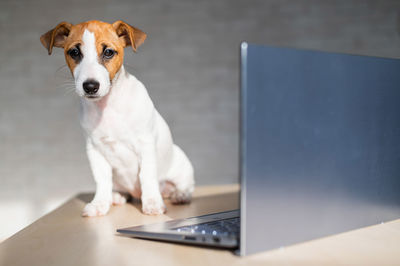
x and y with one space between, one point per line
181 197
153 206
96 208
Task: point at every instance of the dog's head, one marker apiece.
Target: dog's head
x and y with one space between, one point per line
94 52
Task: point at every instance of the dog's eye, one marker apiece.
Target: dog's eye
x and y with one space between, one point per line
74 53
108 53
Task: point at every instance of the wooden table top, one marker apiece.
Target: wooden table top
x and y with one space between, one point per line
63 237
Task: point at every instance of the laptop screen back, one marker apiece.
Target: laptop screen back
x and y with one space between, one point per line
320 144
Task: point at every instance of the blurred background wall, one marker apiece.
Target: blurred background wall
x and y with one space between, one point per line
189 64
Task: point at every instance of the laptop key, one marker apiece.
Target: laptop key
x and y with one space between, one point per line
225 227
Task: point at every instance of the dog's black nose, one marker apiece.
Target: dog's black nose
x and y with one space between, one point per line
91 86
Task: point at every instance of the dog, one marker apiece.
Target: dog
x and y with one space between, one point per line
129 145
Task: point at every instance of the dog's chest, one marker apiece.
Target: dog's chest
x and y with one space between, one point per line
113 137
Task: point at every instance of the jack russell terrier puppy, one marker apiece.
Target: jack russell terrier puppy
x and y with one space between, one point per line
128 143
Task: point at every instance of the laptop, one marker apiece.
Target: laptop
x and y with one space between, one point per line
319 152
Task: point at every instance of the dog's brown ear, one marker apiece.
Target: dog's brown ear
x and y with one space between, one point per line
129 35
56 37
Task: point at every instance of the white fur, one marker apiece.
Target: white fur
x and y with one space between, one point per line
89 67
129 145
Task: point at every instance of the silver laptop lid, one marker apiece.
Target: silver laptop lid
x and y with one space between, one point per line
320 144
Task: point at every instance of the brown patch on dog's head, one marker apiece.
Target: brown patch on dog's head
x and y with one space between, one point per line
114 36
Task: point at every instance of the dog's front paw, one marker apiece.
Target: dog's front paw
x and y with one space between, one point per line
96 208
153 205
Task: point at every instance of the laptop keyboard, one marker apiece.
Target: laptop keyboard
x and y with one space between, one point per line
226 227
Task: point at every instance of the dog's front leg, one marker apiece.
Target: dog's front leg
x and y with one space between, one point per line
102 173
152 202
